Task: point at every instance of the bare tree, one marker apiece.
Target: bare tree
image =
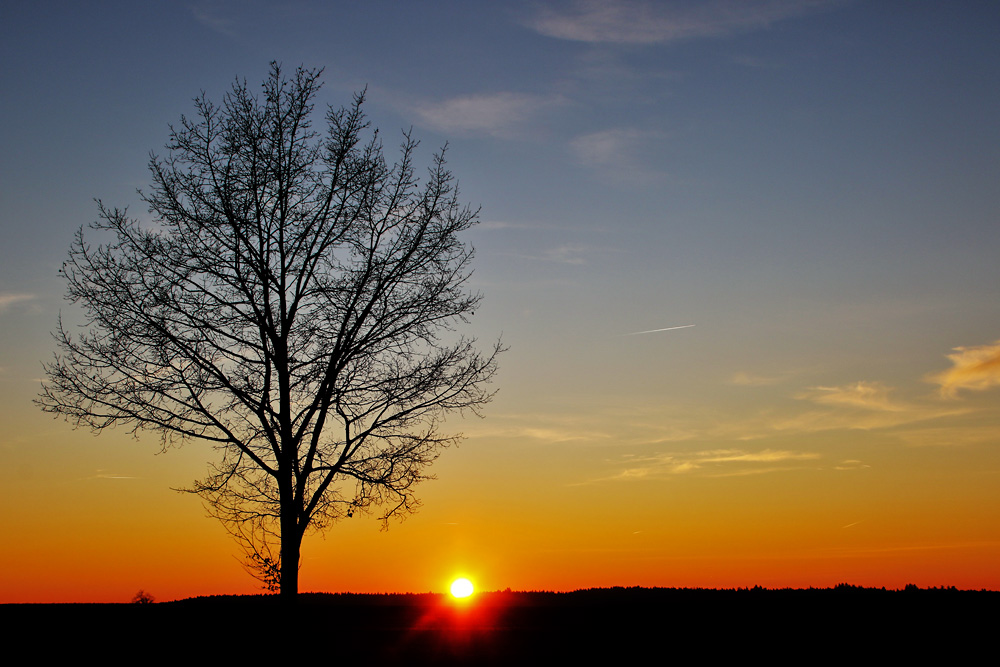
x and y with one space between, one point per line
142 597
293 303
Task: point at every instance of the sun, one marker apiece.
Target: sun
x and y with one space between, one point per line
461 588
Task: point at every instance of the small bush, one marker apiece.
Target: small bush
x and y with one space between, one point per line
142 597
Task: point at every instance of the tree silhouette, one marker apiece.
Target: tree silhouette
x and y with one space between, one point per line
293 303
142 597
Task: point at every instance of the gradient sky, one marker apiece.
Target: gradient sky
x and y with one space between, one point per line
813 184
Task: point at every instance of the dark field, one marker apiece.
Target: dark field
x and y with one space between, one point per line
648 626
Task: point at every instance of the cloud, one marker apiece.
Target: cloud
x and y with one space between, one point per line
607 147
540 427
865 395
216 15
101 474
860 420
7 299
750 380
492 113
551 435
851 464
755 439
492 225
648 22
622 152
975 368
767 455
955 436
715 462
863 405
566 253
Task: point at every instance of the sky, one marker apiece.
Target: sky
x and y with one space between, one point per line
796 200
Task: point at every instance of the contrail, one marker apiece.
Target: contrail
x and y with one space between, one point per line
636 333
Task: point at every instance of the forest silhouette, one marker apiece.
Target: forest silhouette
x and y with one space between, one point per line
535 627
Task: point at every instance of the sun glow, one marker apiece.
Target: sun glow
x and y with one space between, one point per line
461 588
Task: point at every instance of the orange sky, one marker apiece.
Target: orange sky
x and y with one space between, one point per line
507 511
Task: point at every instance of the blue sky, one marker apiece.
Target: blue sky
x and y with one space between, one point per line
811 183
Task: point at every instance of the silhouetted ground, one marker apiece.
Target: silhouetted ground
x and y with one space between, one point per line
651 625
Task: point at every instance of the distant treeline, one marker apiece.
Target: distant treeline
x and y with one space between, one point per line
609 625
608 593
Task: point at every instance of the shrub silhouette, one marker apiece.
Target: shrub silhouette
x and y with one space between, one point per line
142 597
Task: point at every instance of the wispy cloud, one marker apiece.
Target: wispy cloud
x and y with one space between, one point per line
860 420
713 462
8 299
614 147
639 425
866 395
648 22
962 436
101 474
605 147
863 405
566 253
493 225
216 15
975 368
620 152
545 431
742 379
495 114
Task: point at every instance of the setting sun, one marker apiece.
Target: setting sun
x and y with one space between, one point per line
461 588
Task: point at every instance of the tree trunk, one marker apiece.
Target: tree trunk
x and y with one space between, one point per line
291 542
291 538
